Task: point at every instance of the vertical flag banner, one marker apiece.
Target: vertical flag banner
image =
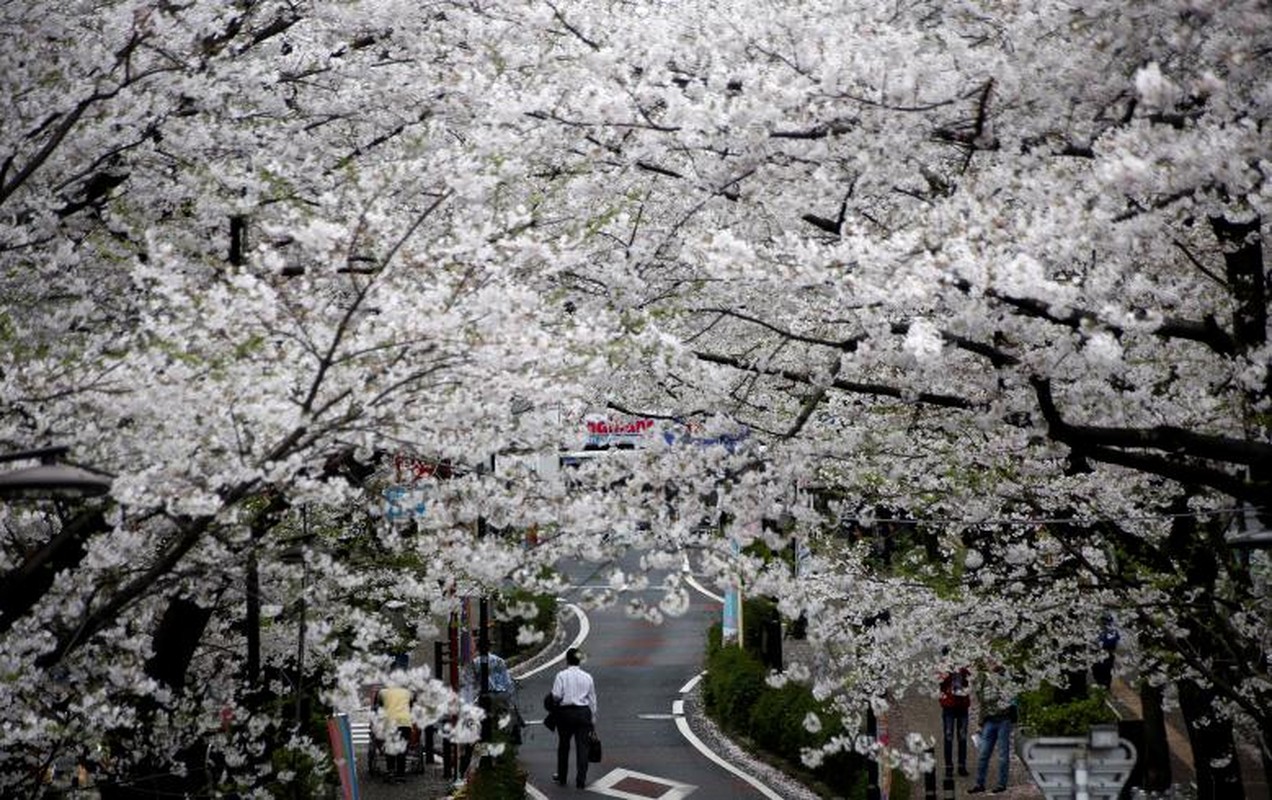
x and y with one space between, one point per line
342 754
731 624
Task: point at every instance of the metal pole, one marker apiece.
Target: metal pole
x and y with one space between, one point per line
300 647
929 778
483 648
450 767
873 792
300 636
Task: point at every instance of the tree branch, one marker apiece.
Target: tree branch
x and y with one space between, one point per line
1105 445
871 389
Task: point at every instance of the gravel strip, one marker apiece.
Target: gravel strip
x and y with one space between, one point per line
735 754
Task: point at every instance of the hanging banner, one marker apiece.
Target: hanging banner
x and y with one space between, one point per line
342 754
731 626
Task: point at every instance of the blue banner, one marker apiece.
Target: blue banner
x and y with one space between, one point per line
342 754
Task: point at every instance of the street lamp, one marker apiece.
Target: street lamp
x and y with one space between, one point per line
296 555
51 478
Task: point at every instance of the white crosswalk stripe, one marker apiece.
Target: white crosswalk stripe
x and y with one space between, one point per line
361 732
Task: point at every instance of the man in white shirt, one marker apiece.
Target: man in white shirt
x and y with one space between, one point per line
575 693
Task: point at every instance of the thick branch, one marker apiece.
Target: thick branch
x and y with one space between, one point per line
1207 331
871 389
27 583
1166 438
1104 444
106 614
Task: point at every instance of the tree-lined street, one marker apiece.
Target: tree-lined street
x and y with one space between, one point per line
928 324
641 670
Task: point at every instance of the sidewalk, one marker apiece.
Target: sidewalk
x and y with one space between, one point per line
920 713
431 785
1126 701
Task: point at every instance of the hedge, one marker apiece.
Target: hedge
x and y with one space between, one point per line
771 720
1042 715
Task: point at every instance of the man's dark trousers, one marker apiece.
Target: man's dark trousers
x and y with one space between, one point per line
954 726
573 722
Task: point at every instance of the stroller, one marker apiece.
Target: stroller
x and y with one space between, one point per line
380 762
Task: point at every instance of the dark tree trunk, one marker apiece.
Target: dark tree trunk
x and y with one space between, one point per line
1155 758
264 520
1243 262
26 584
1214 749
175 642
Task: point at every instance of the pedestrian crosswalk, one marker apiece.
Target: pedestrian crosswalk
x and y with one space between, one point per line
361 732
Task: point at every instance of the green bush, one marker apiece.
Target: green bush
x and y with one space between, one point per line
1042 714
505 634
497 778
777 720
739 699
735 681
900 786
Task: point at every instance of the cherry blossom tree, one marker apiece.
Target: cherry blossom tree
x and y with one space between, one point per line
997 268
987 276
251 251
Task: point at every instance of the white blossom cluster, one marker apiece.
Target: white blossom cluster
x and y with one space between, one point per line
969 301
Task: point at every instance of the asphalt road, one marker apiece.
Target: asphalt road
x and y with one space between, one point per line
641 670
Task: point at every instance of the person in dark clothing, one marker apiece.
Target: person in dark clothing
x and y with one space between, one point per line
1102 670
956 702
575 714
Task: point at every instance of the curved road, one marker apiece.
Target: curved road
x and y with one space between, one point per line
641 671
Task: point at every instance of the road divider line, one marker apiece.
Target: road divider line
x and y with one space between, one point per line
535 794
688 687
692 581
585 628
683 725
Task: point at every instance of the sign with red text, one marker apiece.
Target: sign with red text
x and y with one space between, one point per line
607 432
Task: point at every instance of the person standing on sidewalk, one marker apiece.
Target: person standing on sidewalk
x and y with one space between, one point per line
998 714
393 704
956 703
1108 639
575 693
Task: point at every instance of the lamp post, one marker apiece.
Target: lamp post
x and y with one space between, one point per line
296 555
51 478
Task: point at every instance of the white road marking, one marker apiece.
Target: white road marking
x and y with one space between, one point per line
606 785
688 687
535 794
692 581
682 725
585 628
